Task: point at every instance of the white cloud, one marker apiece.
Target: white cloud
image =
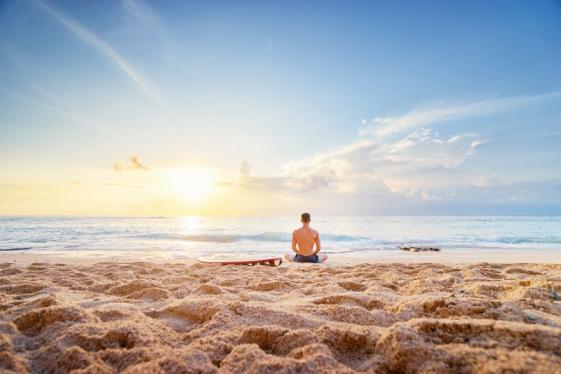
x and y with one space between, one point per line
415 163
427 194
424 147
365 161
488 181
415 171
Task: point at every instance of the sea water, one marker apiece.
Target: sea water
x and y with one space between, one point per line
196 236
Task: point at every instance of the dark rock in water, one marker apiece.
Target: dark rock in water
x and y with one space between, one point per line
420 249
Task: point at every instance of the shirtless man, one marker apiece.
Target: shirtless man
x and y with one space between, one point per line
303 240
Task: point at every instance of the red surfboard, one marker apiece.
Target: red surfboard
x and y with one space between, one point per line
271 261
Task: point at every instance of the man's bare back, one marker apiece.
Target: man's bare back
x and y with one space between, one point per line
304 239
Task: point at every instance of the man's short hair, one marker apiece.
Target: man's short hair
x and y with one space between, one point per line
305 217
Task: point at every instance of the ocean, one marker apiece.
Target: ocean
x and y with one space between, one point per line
256 236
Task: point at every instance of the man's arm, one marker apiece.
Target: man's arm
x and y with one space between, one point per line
318 245
294 244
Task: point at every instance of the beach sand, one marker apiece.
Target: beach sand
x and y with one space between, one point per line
183 317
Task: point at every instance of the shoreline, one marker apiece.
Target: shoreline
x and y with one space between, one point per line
455 256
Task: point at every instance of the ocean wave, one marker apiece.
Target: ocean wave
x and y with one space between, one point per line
278 237
529 239
15 249
268 236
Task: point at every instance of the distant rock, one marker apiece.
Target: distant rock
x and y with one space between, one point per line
420 249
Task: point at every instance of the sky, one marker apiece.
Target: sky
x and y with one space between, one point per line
150 108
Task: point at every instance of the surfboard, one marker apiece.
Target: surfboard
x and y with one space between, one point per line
271 261
322 258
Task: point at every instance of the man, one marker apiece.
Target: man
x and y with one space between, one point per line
303 240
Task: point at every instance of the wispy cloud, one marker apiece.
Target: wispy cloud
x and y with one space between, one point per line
77 118
145 19
88 37
443 111
44 97
143 13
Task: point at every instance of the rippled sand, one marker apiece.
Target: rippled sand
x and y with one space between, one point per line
386 318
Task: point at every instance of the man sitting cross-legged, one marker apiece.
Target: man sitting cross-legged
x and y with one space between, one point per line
303 241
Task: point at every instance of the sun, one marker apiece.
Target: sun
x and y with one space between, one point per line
193 184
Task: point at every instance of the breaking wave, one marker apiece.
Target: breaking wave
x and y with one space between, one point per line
269 236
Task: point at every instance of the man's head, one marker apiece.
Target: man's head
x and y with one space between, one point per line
305 218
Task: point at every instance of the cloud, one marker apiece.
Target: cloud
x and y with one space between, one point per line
442 111
517 194
365 162
147 22
75 117
91 39
142 13
414 163
487 181
47 98
245 169
134 164
137 164
424 147
270 184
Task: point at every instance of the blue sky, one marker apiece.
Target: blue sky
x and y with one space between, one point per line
430 107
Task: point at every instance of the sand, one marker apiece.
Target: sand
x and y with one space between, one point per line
157 317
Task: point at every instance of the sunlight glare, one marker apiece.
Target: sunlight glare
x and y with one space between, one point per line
193 184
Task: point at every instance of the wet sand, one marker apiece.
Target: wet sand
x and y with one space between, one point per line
449 257
298 318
